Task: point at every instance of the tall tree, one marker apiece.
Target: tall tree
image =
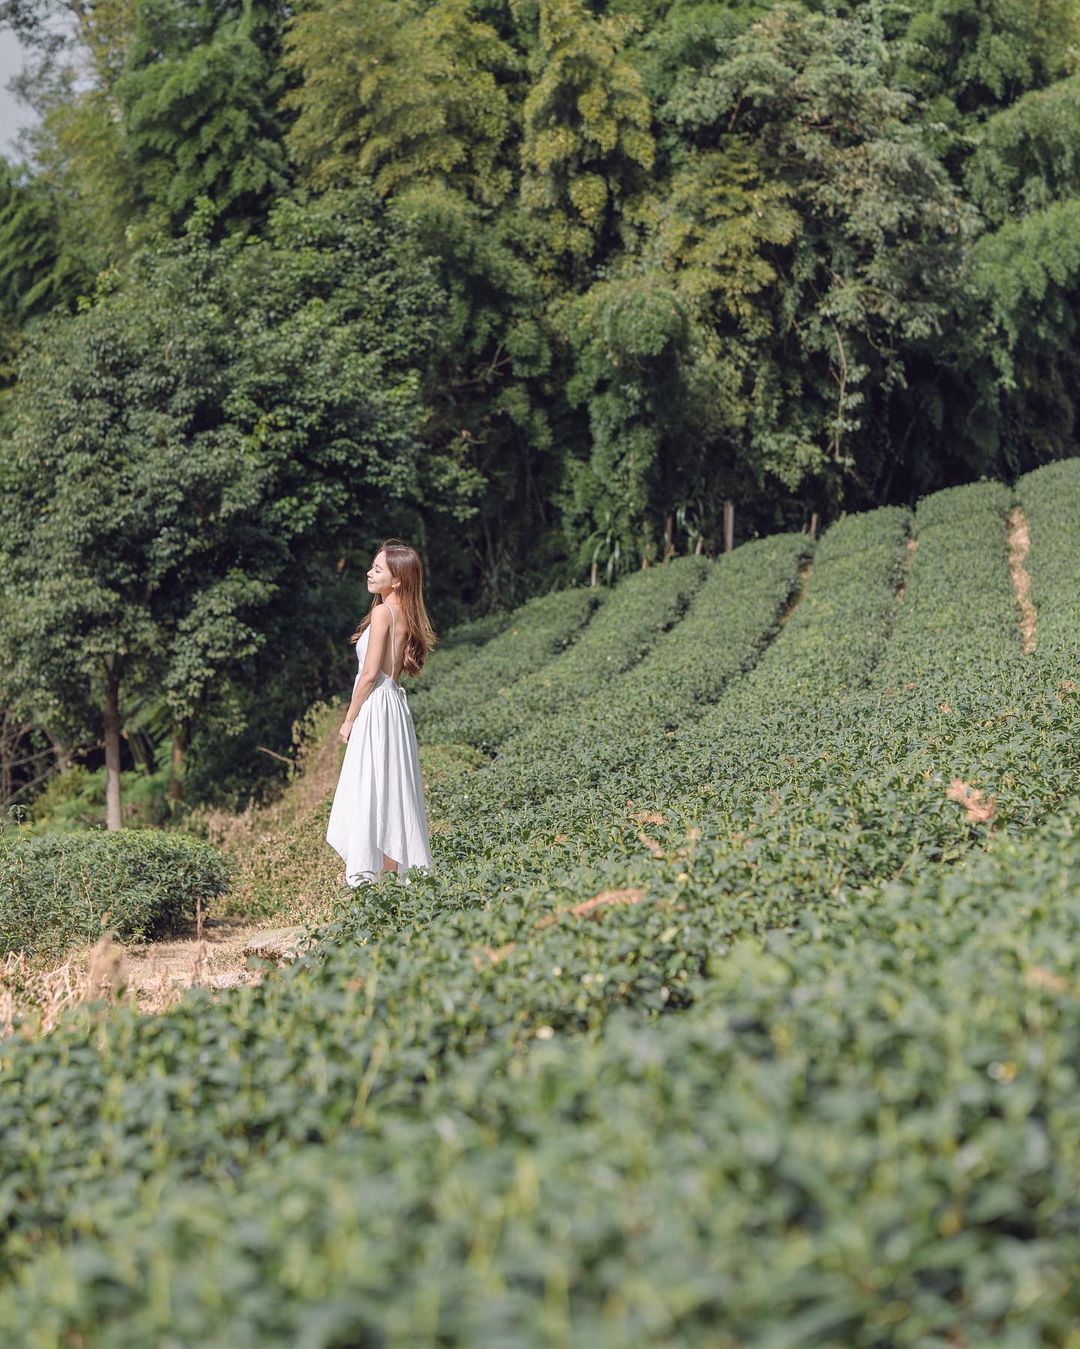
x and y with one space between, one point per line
966 59
405 93
425 98
183 454
36 270
77 53
825 254
199 97
588 144
1024 175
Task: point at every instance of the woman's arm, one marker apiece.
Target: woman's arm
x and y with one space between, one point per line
373 658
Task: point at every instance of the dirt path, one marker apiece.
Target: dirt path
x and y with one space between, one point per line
1019 542
905 567
154 976
157 974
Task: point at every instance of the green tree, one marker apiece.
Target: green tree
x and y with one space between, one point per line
184 454
36 273
426 99
630 339
966 59
199 94
827 255
587 136
1025 176
404 93
36 270
1028 155
78 148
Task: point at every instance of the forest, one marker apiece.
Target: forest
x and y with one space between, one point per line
550 288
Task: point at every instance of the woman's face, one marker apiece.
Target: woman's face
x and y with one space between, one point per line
379 580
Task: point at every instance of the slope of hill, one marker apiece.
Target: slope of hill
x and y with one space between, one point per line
742 1006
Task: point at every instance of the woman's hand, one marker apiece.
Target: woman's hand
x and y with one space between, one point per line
344 729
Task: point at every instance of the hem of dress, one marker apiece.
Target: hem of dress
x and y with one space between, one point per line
370 877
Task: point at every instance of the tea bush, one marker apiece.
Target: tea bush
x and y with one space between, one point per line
734 616
632 617
854 1138
537 631
755 1021
459 646
63 890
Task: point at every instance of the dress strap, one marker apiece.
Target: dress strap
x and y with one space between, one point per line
393 641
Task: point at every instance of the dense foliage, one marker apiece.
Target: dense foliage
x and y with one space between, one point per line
764 1029
649 257
67 890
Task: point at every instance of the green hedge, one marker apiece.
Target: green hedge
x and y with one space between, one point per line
731 621
62 890
458 647
856 1137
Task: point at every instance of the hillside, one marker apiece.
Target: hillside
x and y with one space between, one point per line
742 1006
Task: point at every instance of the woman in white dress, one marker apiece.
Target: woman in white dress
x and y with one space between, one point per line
378 822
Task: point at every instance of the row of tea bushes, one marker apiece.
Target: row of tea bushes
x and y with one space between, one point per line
633 616
675 1179
431 1001
632 751
836 637
859 1135
954 736
64 890
460 645
732 620
1049 497
537 631
796 798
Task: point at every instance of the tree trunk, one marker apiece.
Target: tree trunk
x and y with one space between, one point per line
176 762
729 526
113 818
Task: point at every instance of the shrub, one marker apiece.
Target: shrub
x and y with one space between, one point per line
60 890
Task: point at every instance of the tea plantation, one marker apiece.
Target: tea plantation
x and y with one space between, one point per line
741 1008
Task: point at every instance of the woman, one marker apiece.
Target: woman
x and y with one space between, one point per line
377 821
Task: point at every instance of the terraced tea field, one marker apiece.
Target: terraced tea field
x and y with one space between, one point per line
742 1006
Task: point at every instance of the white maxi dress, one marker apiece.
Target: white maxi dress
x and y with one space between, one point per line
379 801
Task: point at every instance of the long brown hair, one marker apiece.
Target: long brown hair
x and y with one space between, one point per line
404 565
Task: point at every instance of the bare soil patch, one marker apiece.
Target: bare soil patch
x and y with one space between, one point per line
909 557
795 598
1019 542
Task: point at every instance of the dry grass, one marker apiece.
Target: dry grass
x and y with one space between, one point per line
284 869
151 978
978 807
605 899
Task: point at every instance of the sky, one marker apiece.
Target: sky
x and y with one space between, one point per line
13 115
